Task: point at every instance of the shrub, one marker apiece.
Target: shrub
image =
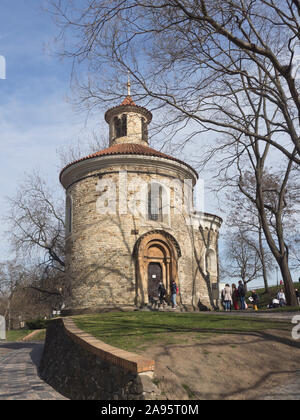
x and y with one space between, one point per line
36 324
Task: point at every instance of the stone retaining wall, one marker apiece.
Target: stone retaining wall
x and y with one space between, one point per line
83 368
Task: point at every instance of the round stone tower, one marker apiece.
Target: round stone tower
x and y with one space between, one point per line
130 223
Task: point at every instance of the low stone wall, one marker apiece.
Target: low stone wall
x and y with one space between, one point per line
83 368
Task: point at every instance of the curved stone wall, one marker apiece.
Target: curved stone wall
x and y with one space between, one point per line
81 367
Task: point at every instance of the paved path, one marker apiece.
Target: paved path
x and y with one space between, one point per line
19 378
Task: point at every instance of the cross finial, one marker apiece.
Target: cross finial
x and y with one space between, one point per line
128 85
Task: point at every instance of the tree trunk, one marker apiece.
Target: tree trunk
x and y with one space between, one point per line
280 252
265 277
288 282
9 317
263 262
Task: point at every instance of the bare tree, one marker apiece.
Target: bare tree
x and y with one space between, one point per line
274 198
192 57
37 236
26 293
36 221
82 147
12 278
243 259
47 287
295 251
244 217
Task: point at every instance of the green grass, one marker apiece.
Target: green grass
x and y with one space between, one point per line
285 309
133 330
189 391
18 335
40 336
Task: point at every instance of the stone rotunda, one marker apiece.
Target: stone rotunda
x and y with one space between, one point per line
130 223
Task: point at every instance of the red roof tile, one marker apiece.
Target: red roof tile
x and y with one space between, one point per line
129 149
128 101
125 106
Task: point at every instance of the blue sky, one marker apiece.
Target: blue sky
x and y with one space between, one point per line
35 117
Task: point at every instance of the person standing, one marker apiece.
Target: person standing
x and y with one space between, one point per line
281 298
297 296
255 300
235 297
227 297
162 293
242 295
174 294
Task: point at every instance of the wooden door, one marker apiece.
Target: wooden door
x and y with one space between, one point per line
154 277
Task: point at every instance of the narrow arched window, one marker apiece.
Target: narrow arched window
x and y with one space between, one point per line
124 126
155 202
69 215
120 126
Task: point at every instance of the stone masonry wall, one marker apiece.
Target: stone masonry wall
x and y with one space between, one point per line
134 130
81 367
100 265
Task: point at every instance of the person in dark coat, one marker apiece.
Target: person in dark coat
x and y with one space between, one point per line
242 295
255 300
162 293
235 297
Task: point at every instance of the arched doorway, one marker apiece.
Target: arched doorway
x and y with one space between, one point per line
155 276
157 255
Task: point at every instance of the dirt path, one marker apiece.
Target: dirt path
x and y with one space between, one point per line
229 366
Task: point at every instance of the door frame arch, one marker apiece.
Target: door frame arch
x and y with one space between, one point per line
168 257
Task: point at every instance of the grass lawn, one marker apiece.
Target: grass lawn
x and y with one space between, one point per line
18 335
133 330
40 336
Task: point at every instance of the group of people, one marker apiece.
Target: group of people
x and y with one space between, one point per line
235 296
280 300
